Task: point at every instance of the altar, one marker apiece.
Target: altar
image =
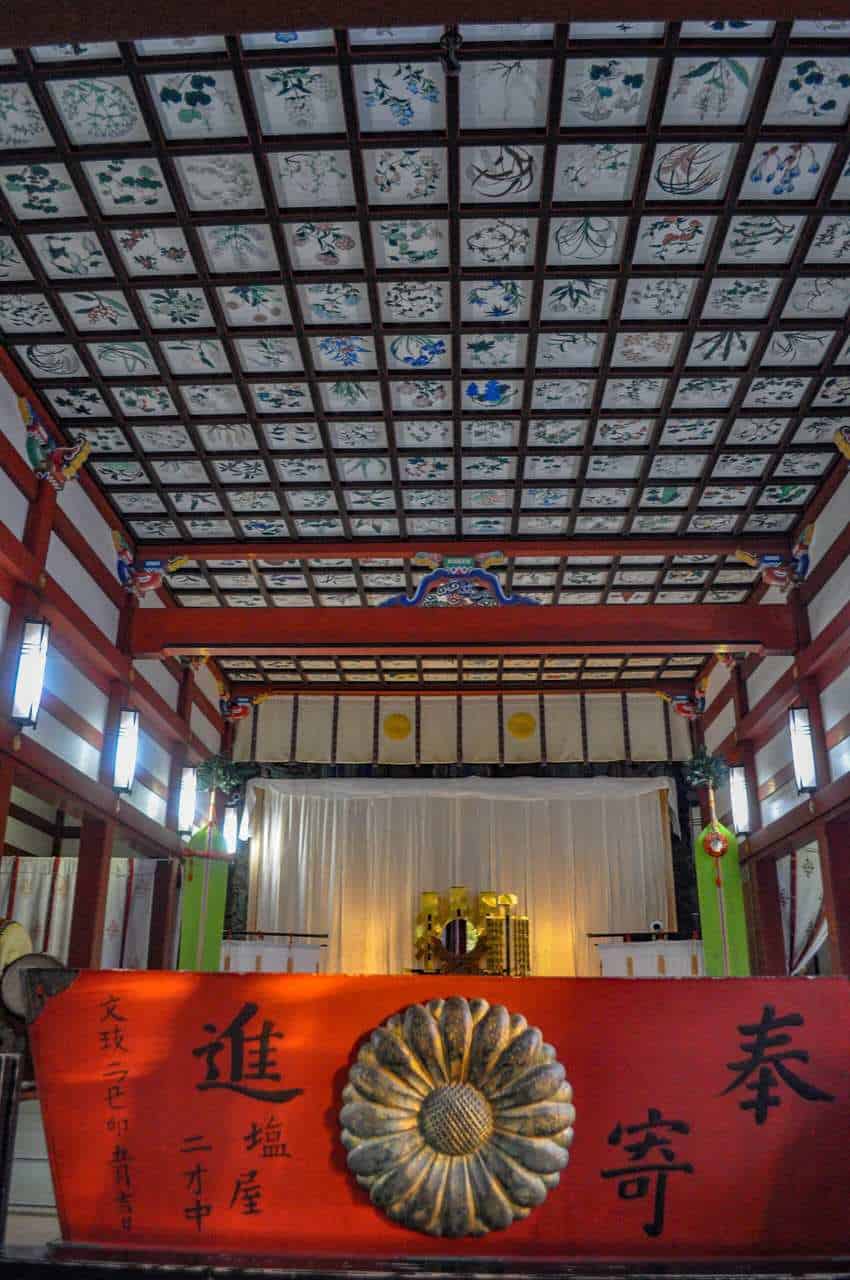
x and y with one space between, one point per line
654 958
366 862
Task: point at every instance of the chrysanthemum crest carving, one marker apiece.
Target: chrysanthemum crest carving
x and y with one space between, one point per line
457 1117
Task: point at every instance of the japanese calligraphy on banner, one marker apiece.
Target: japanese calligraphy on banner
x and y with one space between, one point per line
202 1112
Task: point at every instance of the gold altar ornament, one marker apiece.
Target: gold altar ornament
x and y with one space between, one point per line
452 937
457 1117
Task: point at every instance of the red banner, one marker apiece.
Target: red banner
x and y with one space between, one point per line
201 1112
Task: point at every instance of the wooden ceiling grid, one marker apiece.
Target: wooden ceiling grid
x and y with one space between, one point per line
352 580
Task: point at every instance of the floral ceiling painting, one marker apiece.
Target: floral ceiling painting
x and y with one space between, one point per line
303 286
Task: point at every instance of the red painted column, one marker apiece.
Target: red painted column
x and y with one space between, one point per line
835 871
772 944
39 523
167 874
118 698
163 914
89 913
747 759
7 776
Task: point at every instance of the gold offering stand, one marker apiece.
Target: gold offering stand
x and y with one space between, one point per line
450 936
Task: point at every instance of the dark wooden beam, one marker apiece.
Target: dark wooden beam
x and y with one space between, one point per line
400 548
802 822
28 22
45 775
469 689
523 628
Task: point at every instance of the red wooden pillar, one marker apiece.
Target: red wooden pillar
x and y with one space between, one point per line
835 871
39 523
163 914
702 792
118 698
7 775
167 874
747 759
86 942
771 939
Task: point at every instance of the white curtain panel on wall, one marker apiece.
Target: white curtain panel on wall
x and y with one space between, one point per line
521 736
494 729
350 858
438 730
128 913
39 894
355 727
804 923
274 733
564 731
396 730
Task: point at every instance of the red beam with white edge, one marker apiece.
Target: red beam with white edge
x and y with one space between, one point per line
521 628
465 688
405 549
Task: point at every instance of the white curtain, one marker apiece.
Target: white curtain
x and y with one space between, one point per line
38 892
350 857
804 924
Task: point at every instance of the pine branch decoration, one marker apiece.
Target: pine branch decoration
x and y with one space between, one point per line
706 770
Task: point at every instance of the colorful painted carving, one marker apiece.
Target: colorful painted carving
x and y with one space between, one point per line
458 582
57 464
689 705
776 570
231 708
145 576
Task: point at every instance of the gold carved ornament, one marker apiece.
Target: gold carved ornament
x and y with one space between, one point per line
457 1117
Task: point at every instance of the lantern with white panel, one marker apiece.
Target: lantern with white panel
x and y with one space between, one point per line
29 678
740 800
126 751
800 725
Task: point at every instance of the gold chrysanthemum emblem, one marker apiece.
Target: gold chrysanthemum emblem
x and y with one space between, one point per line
457 1118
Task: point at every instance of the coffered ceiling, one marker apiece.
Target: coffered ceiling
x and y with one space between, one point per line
300 286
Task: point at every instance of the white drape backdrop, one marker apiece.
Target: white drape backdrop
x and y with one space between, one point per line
804 924
350 858
38 892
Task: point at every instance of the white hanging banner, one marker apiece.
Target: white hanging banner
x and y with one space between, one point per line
606 738
355 725
480 730
647 734
434 718
38 892
438 730
521 728
397 730
315 730
563 728
274 732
